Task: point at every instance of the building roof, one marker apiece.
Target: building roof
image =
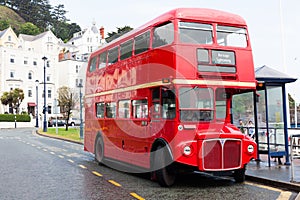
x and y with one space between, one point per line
267 74
3 32
32 37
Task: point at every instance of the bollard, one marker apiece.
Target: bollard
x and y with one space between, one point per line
15 121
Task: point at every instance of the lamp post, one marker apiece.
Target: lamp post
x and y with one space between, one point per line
45 108
80 104
37 103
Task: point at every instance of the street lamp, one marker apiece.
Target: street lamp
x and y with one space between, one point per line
45 108
37 104
80 104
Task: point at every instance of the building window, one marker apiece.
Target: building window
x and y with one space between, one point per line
77 69
48 63
12 60
12 74
34 63
48 78
49 109
25 62
9 38
29 75
29 93
49 94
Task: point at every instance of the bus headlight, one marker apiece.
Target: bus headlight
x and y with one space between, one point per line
250 148
187 150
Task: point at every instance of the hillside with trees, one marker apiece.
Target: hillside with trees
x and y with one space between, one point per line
36 13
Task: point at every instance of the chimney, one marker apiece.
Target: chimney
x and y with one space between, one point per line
102 32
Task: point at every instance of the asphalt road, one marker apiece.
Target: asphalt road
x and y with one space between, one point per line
37 167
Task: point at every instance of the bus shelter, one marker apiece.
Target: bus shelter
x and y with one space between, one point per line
263 114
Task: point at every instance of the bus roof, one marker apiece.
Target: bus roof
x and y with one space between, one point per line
198 14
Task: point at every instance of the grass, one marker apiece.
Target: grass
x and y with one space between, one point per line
72 133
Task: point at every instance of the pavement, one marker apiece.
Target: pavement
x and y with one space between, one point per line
278 175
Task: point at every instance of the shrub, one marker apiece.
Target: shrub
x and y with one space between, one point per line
11 118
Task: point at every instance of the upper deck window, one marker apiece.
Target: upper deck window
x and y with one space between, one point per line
163 35
195 33
141 43
126 49
231 36
102 60
93 64
113 55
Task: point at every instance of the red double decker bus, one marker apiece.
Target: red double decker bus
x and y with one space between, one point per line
158 99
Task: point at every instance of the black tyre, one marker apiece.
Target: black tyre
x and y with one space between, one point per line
72 124
239 175
164 173
99 150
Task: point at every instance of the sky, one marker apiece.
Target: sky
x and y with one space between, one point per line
273 24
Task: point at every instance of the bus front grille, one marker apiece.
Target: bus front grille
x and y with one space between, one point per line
221 154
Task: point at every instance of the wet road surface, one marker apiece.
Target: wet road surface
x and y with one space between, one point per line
36 167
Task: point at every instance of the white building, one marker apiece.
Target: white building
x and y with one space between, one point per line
21 64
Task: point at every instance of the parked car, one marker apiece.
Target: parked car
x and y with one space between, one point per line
74 121
60 122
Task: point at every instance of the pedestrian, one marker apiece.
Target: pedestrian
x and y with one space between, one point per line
242 126
251 130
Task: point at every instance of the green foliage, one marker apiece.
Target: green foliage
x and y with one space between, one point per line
11 17
4 24
40 14
13 98
120 31
11 118
29 29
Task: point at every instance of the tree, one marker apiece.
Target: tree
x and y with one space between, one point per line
66 101
29 29
114 35
4 24
14 99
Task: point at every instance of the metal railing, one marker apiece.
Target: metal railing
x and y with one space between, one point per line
292 155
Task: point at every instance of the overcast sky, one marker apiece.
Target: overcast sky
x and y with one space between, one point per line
274 44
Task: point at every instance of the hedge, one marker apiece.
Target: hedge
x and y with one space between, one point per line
11 118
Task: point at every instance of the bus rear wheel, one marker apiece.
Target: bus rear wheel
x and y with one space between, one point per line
164 173
239 175
99 150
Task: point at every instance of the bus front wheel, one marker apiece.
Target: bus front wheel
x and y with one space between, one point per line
239 175
99 150
164 173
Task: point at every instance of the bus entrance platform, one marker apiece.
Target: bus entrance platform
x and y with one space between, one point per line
277 175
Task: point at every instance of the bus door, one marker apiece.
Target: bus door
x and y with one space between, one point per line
163 112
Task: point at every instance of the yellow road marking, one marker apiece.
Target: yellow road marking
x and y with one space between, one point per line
71 161
114 183
82 166
96 173
264 186
136 196
283 194
60 156
52 153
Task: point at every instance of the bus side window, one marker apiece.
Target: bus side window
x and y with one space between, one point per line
141 43
100 108
140 109
168 104
102 60
111 110
93 64
123 109
163 35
